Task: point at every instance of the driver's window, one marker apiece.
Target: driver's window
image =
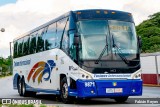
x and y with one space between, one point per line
72 48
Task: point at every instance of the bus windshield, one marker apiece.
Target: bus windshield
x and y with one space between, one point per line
120 37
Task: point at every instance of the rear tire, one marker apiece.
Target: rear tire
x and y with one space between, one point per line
31 94
22 89
64 91
121 99
24 92
19 85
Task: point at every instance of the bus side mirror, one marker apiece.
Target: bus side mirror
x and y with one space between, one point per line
76 39
140 41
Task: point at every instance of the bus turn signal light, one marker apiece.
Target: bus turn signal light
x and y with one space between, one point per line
78 12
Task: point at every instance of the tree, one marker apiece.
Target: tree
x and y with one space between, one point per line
5 63
149 30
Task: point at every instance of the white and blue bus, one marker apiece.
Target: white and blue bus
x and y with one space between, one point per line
81 54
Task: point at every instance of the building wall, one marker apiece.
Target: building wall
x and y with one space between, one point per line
150 73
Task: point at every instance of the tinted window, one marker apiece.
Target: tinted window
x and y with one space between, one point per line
50 37
26 45
60 27
65 40
20 49
33 44
15 49
40 40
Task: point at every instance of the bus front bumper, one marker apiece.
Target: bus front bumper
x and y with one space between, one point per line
106 88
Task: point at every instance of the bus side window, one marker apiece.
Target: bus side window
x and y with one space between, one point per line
50 37
32 48
65 40
60 27
26 45
15 49
20 44
72 48
40 40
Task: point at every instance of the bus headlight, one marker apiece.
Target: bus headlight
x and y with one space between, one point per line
137 75
81 74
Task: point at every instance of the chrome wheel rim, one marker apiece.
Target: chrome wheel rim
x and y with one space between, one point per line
65 90
19 85
23 88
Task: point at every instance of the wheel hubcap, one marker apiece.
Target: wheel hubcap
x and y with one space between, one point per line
19 85
23 88
65 90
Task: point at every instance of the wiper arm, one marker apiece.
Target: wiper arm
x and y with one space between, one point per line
120 52
104 49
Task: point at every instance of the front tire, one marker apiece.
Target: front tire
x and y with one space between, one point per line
121 99
64 91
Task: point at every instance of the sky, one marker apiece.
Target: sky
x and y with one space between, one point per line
3 2
20 16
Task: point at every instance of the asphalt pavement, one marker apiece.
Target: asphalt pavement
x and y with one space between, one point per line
151 94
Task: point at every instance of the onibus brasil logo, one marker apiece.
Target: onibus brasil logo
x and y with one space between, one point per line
40 69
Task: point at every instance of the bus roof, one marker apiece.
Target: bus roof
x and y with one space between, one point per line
88 14
103 14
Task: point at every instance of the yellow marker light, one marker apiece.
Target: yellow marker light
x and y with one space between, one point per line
113 12
105 12
78 12
97 11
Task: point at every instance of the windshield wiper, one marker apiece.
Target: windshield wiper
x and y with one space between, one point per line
104 49
119 52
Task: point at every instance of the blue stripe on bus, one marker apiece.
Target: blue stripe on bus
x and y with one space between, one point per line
29 88
15 81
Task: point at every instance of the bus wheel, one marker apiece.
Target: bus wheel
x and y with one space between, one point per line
121 99
64 91
20 87
30 94
24 92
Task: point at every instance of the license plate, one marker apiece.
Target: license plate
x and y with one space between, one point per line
114 90
109 90
118 90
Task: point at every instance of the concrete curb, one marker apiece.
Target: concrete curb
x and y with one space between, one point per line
151 85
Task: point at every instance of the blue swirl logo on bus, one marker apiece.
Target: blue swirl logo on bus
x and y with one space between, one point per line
40 69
